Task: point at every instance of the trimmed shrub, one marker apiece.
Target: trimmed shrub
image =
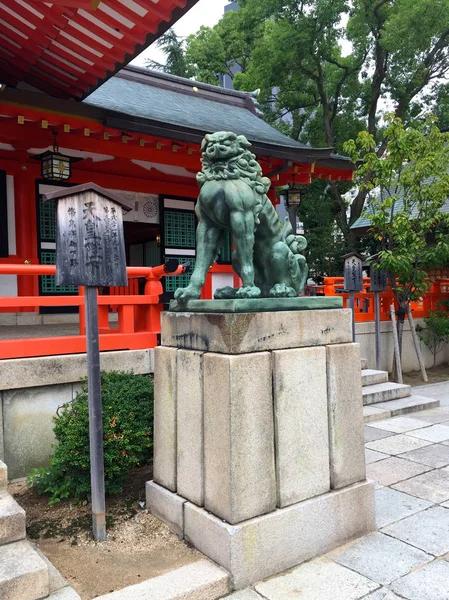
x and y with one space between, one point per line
127 432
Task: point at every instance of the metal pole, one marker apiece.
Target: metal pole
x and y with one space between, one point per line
95 415
352 305
377 326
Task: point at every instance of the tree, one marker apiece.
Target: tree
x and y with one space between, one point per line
173 47
407 187
327 69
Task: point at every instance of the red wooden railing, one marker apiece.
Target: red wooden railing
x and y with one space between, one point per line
364 301
138 315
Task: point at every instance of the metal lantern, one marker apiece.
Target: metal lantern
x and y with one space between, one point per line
54 165
293 199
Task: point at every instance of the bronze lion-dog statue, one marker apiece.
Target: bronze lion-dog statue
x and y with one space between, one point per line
233 196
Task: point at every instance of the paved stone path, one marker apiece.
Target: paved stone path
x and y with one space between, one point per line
408 556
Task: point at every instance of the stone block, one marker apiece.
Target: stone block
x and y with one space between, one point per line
344 394
371 414
8 319
67 593
239 467
23 574
426 530
244 595
18 373
229 333
428 583
190 437
301 424
392 506
56 581
164 433
201 580
432 486
12 520
371 377
384 392
60 319
320 579
266 545
381 558
28 425
397 444
410 404
4 475
29 319
166 506
394 469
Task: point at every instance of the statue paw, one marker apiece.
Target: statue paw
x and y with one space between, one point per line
225 293
188 293
281 290
248 292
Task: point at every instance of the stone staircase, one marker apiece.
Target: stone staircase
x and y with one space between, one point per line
383 399
25 573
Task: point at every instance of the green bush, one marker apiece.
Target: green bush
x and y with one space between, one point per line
436 333
127 432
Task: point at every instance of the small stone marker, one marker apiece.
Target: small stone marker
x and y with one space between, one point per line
90 251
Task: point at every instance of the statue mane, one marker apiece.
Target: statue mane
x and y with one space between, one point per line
241 165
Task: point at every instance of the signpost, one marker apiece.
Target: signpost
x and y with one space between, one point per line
353 280
379 283
90 251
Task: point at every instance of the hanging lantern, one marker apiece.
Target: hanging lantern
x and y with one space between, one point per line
54 165
293 199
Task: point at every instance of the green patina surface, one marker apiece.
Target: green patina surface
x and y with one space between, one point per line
248 305
233 201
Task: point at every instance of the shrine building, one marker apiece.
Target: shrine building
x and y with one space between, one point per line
72 112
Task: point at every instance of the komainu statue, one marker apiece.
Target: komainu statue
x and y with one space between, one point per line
233 197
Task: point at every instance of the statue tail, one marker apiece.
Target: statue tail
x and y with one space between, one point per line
296 243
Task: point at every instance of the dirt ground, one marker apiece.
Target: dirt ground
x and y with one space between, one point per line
138 547
434 375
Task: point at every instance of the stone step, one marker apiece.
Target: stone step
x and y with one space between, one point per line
371 377
199 580
382 392
23 574
12 520
402 406
364 362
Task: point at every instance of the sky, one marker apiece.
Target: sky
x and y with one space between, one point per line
205 12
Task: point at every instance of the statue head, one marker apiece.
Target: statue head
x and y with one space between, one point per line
223 145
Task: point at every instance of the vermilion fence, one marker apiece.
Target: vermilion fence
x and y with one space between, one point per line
138 315
364 301
138 323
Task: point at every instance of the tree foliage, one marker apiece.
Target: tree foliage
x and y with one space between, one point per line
328 69
435 334
407 188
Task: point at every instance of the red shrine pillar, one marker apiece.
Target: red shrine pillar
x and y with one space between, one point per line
26 230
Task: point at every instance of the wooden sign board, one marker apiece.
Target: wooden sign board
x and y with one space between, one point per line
90 246
378 280
353 272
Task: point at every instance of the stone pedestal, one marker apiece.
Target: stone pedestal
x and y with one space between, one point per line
258 437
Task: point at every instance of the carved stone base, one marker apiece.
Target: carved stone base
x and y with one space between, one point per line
258 437
264 546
